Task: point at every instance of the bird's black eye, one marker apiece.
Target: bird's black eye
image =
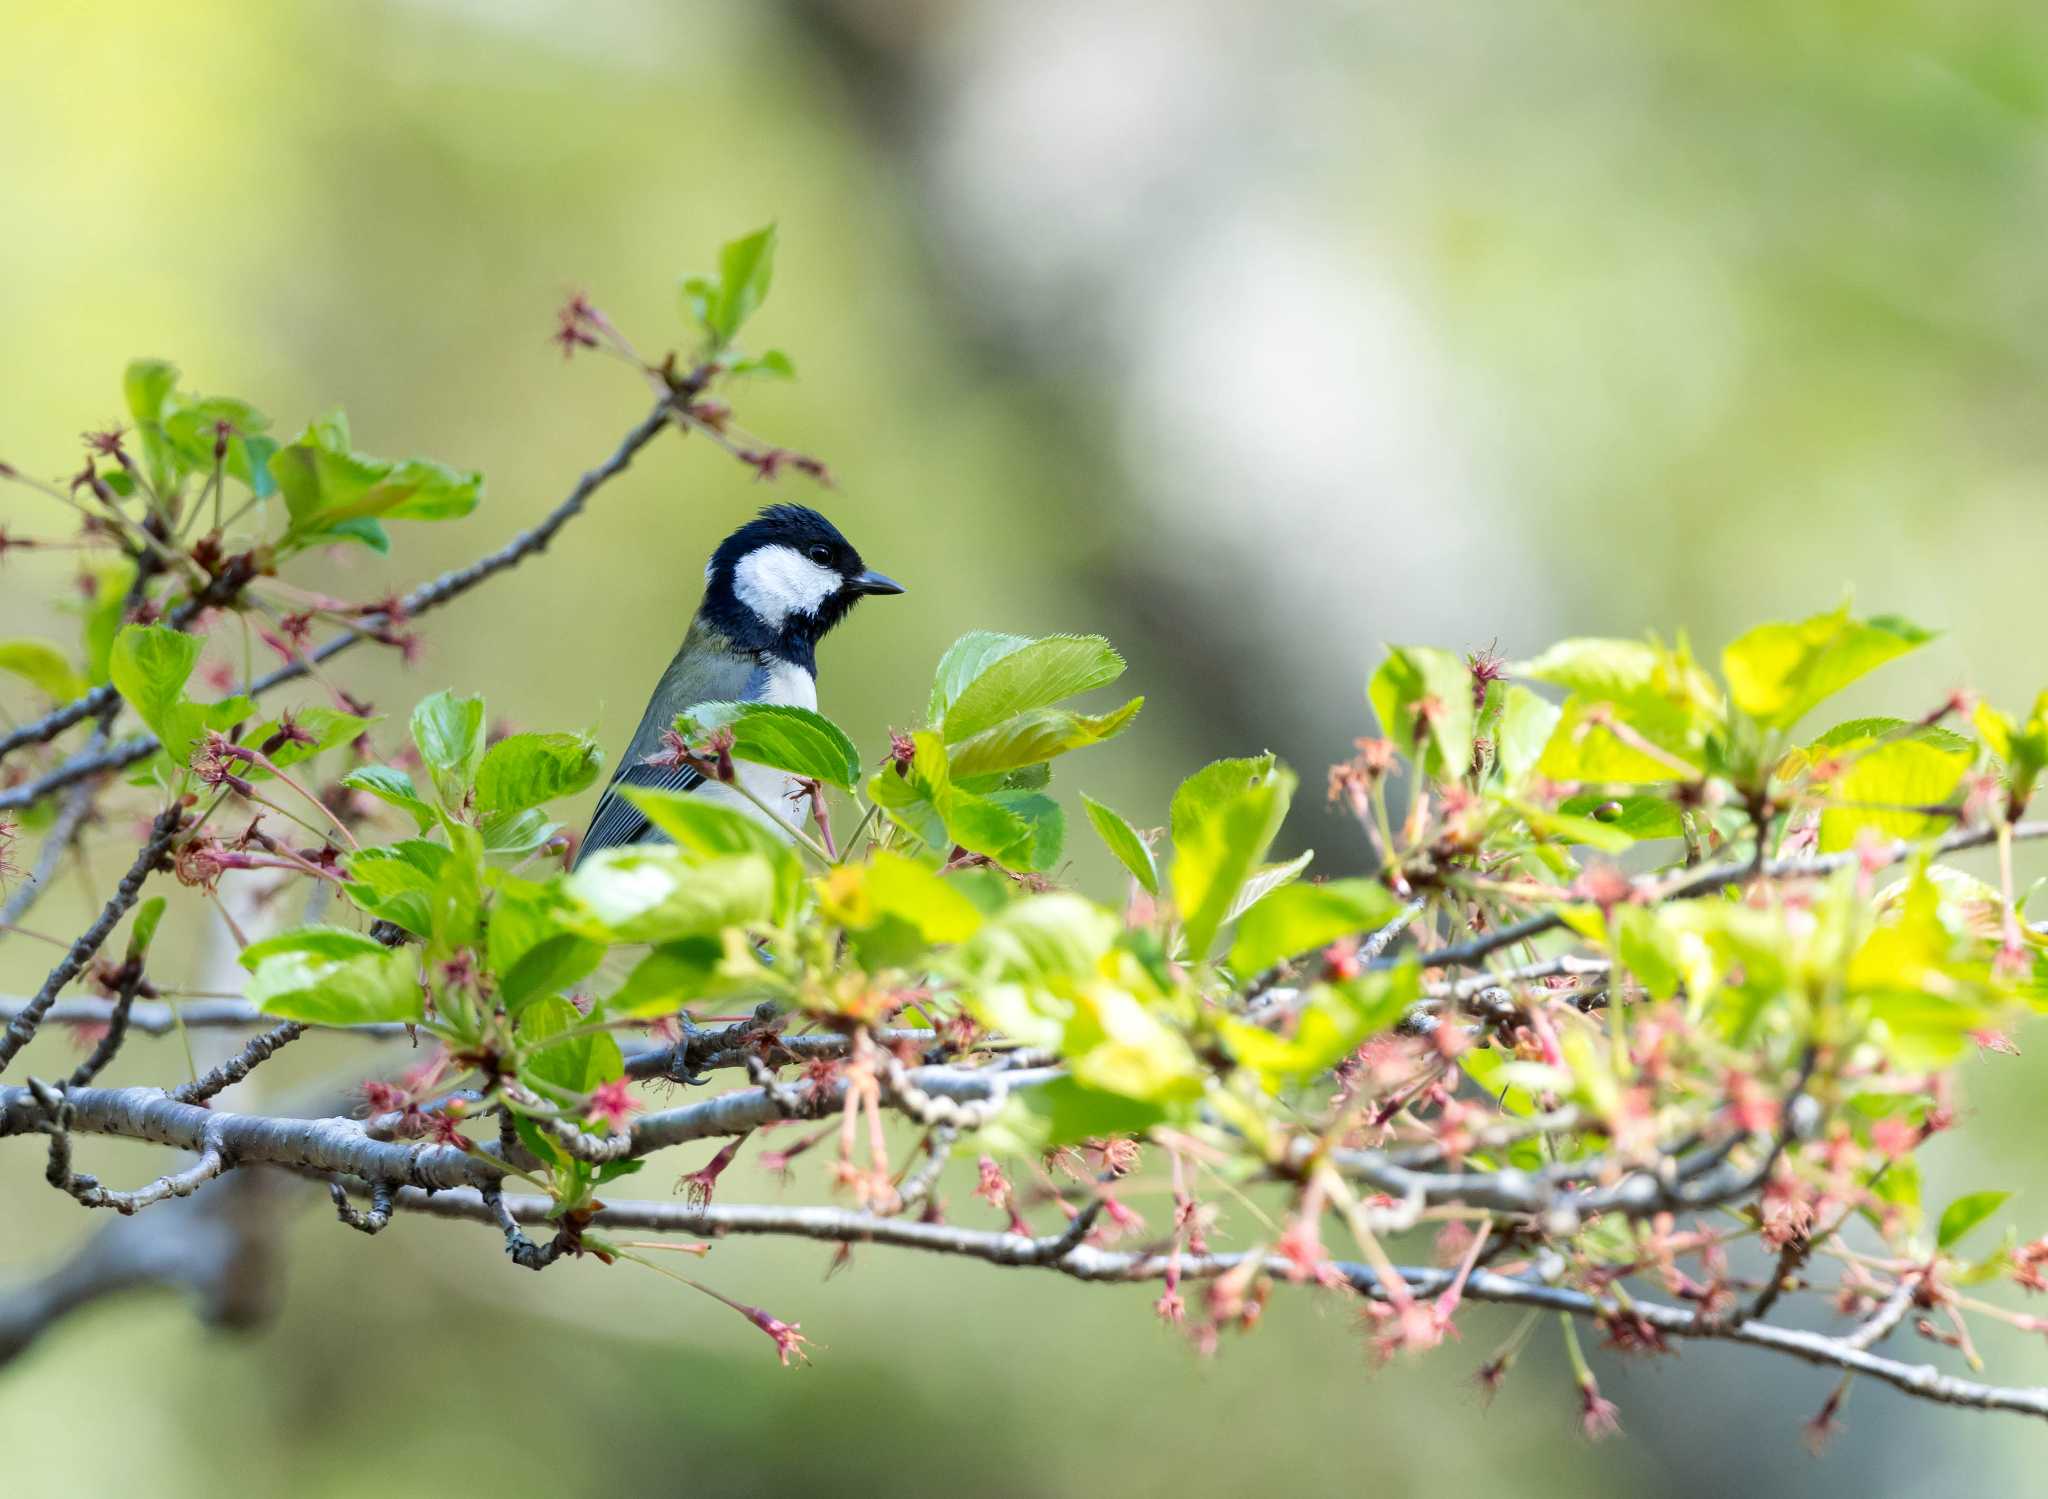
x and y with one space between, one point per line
820 554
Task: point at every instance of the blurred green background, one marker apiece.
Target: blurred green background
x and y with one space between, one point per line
1250 336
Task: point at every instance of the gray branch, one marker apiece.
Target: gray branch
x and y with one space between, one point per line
23 1027
1085 1262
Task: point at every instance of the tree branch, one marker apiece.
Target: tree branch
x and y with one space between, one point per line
24 1025
428 595
1084 1262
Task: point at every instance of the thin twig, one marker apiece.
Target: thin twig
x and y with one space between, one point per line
428 595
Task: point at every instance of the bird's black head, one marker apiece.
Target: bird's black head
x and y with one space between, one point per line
783 579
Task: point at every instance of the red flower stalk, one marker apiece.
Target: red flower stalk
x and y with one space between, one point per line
701 1184
1598 1418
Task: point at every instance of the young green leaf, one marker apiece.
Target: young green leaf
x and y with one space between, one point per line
150 665
1047 825
1212 786
1778 671
1033 737
142 931
965 659
1220 848
1876 772
529 770
925 803
1422 697
798 740
1298 919
671 976
722 304
328 976
654 894
703 829
576 1064
43 667
147 384
1131 851
393 787
549 967
1036 674
331 493
1965 1213
1526 724
397 882
449 732
322 728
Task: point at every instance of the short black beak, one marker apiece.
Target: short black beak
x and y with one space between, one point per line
874 582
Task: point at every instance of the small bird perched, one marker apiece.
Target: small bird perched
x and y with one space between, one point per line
771 591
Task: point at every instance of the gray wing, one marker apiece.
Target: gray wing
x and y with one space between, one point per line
706 669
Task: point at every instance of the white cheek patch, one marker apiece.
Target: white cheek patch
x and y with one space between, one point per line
778 581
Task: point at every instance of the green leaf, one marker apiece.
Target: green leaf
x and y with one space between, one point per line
1033 737
1640 816
147 384
527 770
1526 724
1215 851
654 894
190 426
43 667
771 362
1869 767
329 489
671 976
1065 1112
1047 825
1605 670
925 803
328 976
702 829
798 740
1263 881
516 834
575 1065
1965 1213
895 909
967 658
109 582
397 882
1584 746
548 968
1423 699
449 732
1777 672
1215 784
1297 919
327 726
1035 674
393 787
1565 827
150 665
1332 1024
142 931
1039 939
1115 1043
1131 851
746 266
722 304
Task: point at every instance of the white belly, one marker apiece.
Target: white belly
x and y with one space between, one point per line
787 686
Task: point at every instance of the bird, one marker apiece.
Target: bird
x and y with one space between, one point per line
772 590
